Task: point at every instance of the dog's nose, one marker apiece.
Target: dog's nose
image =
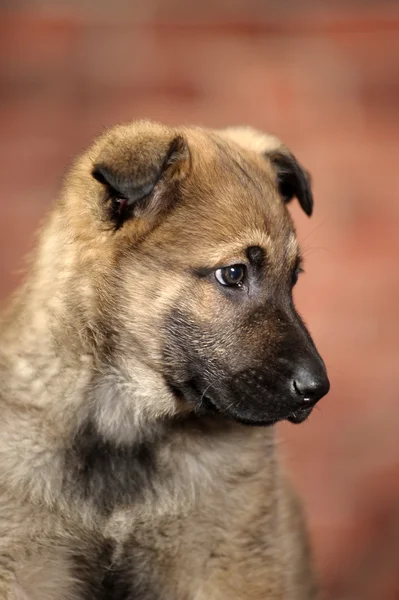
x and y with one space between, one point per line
310 385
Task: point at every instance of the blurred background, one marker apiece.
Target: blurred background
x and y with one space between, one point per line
324 76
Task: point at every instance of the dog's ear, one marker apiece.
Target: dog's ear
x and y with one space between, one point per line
292 179
139 167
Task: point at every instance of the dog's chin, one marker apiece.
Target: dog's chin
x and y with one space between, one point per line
210 407
299 416
254 420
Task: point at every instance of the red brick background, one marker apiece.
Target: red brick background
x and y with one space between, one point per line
322 75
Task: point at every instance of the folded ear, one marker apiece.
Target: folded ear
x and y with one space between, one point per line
292 179
138 167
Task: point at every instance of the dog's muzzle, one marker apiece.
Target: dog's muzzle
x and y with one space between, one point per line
263 397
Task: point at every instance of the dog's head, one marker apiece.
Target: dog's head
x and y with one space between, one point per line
193 262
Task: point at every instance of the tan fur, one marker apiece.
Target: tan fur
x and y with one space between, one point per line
82 341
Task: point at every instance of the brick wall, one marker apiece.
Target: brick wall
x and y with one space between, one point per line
322 75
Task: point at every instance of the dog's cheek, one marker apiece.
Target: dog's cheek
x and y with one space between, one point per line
193 350
180 343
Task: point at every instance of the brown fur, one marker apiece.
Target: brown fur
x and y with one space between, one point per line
114 481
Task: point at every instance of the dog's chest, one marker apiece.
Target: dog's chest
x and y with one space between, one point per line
130 577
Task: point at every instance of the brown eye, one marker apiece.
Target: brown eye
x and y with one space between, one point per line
232 276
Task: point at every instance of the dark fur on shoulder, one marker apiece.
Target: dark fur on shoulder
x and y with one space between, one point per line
106 474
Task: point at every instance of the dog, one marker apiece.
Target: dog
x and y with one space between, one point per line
144 363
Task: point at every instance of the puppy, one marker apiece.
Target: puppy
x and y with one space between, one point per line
144 363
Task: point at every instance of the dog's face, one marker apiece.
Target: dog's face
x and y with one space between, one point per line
202 259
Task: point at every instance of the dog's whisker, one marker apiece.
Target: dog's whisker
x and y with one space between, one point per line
321 224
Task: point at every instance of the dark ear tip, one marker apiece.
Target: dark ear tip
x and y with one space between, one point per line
307 196
307 203
293 180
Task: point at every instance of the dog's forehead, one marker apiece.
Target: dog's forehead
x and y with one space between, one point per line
231 201
231 180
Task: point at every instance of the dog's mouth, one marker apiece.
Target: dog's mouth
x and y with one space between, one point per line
296 417
299 416
205 404
211 406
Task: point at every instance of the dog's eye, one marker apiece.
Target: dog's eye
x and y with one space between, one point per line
295 275
232 276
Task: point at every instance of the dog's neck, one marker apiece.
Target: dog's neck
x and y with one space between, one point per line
173 470
97 444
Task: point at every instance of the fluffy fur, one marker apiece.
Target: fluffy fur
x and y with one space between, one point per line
128 374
